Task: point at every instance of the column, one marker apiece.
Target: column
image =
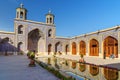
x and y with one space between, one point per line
87 48
118 44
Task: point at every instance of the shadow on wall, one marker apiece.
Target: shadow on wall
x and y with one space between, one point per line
6 47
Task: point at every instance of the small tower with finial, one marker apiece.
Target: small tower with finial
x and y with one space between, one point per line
21 12
50 18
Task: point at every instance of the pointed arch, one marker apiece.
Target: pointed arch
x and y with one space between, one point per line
94 47
49 48
74 51
19 47
110 46
20 29
66 48
58 47
82 48
49 32
33 38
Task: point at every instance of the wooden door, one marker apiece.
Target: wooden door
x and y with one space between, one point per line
94 48
82 47
110 46
74 48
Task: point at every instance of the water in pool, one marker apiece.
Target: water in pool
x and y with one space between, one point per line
82 71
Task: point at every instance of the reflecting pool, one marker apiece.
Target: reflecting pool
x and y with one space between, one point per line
82 71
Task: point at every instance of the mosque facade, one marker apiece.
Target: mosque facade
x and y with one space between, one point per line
41 36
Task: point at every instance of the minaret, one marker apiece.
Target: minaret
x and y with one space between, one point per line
21 12
50 18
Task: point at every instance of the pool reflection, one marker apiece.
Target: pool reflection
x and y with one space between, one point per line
110 74
82 67
92 72
73 65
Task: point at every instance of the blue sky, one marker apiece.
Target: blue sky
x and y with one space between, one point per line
72 17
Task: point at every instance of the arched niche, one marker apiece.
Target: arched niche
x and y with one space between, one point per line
50 33
49 48
58 47
20 46
20 29
67 49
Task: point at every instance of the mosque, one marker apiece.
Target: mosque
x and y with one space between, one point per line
41 36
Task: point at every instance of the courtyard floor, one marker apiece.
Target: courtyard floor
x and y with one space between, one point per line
16 68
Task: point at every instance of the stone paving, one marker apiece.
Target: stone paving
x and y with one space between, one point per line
16 68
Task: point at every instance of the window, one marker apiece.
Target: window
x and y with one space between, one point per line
21 14
50 20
